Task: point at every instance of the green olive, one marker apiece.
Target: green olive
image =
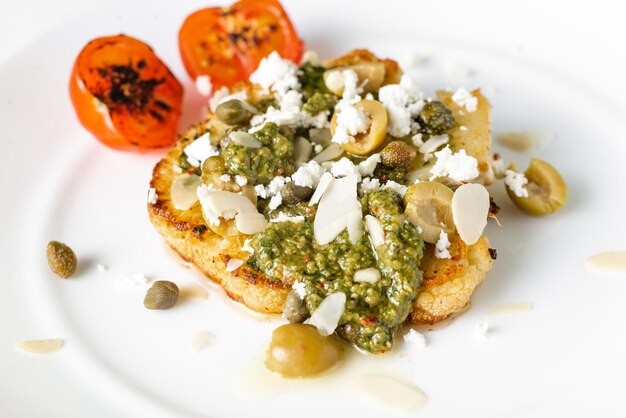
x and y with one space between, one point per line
233 112
365 143
547 190
292 194
436 118
428 205
298 350
398 154
294 308
213 164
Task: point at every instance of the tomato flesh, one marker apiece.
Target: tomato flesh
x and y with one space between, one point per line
227 44
125 95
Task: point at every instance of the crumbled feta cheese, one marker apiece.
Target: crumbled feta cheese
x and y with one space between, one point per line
200 149
370 185
308 175
225 178
152 196
283 217
396 187
132 281
442 245
276 74
499 168
203 85
344 167
233 264
240 180
300 289
367 167
351 89
463 98
247 247
101 268
351 121
458 166
403 102
414 338
289 113
317 148
517 183
275 201
260 191
417 140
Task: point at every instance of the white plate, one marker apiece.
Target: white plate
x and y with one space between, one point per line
565 356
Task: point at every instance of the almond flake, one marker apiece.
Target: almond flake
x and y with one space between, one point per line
470 207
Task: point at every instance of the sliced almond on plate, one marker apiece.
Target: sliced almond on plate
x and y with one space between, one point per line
470 207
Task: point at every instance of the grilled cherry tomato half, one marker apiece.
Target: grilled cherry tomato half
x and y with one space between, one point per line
125 95
228 43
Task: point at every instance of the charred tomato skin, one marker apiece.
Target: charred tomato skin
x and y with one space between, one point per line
125 95
227 43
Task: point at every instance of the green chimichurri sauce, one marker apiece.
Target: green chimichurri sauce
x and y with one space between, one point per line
261 165
289 252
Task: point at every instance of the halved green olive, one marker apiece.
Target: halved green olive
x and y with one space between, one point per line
428 205
365 143
547 190
370 76
298 350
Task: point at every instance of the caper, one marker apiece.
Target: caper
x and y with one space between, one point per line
436 118
398 154
162 295
233 112
298 350
61 259
365 143
428 206
213 164
293 194
294 308
547 191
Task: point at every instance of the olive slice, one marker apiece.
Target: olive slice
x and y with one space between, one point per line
298 350
547 190
365 143
428 206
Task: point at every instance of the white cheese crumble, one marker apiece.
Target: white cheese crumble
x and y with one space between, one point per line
351 121
225 178
516 182
247 247
274 187
465 99
200 149
300 289
396 187
370 185
283 217
203 85
442 245
152 196
417 140
343 168
275 201
318 148
367 167
240 180
414 338
233 264
403 102
457 166
276 74
308 175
